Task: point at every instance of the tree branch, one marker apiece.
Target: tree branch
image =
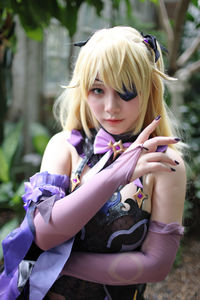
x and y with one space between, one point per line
178 28
185 56
166 24
193 67
186 72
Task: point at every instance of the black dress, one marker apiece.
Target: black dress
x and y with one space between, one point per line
111 230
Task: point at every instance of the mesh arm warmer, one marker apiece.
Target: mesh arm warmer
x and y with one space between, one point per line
151 264
72 212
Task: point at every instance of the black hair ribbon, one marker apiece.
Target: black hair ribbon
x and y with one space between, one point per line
151 41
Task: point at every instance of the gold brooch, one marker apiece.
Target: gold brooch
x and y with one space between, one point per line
74 182
139 196
117 148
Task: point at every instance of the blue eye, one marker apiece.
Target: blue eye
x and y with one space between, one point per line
127 96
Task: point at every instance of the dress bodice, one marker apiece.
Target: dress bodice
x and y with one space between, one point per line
113 228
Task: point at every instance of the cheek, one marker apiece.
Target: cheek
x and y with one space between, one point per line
133 107
95 107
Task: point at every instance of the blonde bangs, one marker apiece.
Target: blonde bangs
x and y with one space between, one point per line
114 61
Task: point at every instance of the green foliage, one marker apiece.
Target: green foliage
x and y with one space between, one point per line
36 15
4 176
191 126
40 137
11 175
8 150
5 230
9 187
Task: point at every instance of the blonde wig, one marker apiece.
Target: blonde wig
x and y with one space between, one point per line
117 56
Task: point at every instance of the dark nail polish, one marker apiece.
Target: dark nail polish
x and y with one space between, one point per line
172 169
158 118
146 148
177 139
176 162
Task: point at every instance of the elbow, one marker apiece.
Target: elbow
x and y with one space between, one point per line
161 271
48 241
47 236
43 244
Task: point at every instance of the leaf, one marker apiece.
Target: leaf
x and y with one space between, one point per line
17 198
6 192
11 143
5 230
5 4
154 1
36 34
98 5
40 143
40 137
4 168
195 2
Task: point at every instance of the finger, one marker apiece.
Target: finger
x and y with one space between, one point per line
159 157
154 167
153 143
144 135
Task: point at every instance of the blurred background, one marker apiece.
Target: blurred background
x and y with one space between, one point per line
36 59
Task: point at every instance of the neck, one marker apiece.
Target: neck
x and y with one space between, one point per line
124 137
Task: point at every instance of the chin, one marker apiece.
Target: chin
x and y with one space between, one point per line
115 131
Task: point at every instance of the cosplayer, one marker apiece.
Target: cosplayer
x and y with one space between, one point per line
103 216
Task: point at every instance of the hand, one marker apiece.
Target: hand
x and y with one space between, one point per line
150 160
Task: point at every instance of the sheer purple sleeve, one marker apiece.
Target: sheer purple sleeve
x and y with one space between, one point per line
43 190
151 264
72 212
38 193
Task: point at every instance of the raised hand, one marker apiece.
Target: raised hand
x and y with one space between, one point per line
150 160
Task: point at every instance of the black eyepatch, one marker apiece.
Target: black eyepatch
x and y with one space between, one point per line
128 95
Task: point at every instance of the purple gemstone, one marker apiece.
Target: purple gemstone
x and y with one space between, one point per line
140 196
117 147
74 180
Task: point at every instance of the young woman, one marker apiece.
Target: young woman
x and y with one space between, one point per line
104 214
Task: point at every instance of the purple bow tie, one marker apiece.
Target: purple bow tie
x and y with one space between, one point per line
104 142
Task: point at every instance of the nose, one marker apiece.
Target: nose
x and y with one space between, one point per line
112 103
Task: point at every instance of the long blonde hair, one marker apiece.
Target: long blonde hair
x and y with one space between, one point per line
118 56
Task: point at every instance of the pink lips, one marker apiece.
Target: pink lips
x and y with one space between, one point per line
115 121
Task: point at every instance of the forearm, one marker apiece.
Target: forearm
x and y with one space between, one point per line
72 212
151 264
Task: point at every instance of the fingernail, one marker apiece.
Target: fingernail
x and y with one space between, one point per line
172 169
177 139
146 148
176 162
158 118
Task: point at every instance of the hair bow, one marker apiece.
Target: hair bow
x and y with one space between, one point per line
82 43
151 41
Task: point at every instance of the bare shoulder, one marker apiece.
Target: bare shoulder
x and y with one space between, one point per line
169 191
180 169
57 155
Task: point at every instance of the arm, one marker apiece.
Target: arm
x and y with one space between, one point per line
169 193
159 249
72 212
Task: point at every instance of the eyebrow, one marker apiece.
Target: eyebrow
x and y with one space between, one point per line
97 79
98 82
